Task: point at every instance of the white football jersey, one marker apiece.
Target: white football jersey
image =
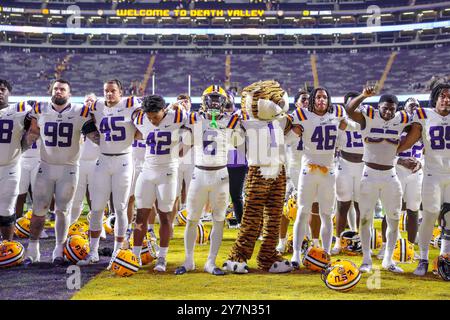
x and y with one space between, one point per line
138 150
319 134
12 129
436 139
33 151
162 141
60 132
115 124
89 150
380 137
211 145
351 141
415 152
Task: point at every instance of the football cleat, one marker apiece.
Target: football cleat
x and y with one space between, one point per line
422 268
393 268
365 268
58 261
11 253
91 258
213 269
335 251
380 254
342 275
281 267
160 265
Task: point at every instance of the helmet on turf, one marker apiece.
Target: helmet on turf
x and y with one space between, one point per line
125 263
290 208
11 253
149 251
76 248
214 98
375 239
290 244
181 217
202 234
28 214
22 229
79 228
442 266
402 223
404 251
351 242
108 224
316 259
436 239
342 275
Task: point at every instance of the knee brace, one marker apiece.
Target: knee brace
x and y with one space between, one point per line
444 220
7 221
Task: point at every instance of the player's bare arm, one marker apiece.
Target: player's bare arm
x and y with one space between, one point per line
352 106
31 135
414 134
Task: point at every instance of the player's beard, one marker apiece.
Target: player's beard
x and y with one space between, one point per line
59 101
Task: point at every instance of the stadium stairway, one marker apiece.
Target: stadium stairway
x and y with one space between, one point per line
148 73
227 71
386 70
313 59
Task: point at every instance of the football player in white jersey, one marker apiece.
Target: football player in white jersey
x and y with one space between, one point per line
12 124
186 166
211 129
88 158
381 130
59 124
29 165
320 124
433 126
410 174
294 153
157 184
114 116
348 176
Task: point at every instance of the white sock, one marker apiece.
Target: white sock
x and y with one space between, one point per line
391 237
61 226
117 245
93 245
445 247
365 232
282 241
337 244
326 231
190 237
163 252
426 232
316 242
33 247
137 250
216 241
299 230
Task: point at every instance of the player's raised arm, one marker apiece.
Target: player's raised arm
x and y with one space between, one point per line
414 134
352 106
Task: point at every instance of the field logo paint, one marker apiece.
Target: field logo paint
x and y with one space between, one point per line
74 280
74 21
374 281
375 16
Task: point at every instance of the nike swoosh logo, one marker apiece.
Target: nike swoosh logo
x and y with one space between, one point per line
125 164
167 126
70 118
120 110
72 172
12 173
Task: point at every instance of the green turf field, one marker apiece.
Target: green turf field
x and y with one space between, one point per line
256 285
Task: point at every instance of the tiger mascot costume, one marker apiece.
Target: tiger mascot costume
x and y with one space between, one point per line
265 122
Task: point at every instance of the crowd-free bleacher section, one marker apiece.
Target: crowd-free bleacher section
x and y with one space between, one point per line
31 72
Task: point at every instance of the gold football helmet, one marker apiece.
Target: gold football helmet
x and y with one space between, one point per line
11 253
214 98
22 229
404 251
125 263
342 275
76 248
316 259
